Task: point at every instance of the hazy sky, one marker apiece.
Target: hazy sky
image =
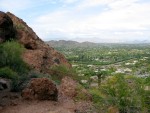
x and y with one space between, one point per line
84 20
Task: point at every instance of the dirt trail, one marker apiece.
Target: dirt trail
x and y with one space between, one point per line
13 103
38 107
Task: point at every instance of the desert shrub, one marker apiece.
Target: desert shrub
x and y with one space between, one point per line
20 26
147 81
98 100
96 95
124 92
12 65
146 99
80 94
8 73
11 52
58 72
24 79
35 74
147 93
85 85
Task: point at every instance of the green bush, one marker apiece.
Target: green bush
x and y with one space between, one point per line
58 72
10 56
80 94
96 95
12 65
35 74
124 92
98 100
8 73
20 26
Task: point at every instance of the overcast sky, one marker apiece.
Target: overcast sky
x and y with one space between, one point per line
84 20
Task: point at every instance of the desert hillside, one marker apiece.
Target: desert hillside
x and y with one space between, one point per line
38 55
32 74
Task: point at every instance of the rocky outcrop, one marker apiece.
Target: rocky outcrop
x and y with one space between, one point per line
25 34
68 87
4 84
42 89
72 89
6 27
37 54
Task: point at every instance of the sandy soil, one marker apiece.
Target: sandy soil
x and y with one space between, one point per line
37 107
13 103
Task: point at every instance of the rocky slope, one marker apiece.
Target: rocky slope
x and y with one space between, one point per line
38 55
14 103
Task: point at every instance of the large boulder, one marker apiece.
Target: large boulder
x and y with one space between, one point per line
41 89
7 30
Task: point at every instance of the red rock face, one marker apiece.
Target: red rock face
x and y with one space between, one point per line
41 89
68 87
6 27
38 54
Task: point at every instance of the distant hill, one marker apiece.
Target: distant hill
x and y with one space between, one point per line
70 44
140 42
61 43
74 44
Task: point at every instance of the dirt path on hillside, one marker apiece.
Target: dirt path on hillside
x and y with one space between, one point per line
38 107
13 103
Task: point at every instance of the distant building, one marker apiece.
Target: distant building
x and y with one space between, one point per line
94 78
94 84
147 88
84 81
119 71
90 65
127 70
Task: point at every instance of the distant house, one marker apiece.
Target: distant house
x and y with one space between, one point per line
119 71
90 65
103 69
127 70
80 74
97 59
145 57
74 65
94 84
142 75
84 81
135 61
147 88
94 78
127 64
96 71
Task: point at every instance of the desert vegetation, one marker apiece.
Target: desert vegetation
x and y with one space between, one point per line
12 65
116 75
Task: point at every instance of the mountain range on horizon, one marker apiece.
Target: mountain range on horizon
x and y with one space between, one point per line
72 44
63 42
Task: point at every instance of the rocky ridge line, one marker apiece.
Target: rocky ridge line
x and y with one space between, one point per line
38 55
